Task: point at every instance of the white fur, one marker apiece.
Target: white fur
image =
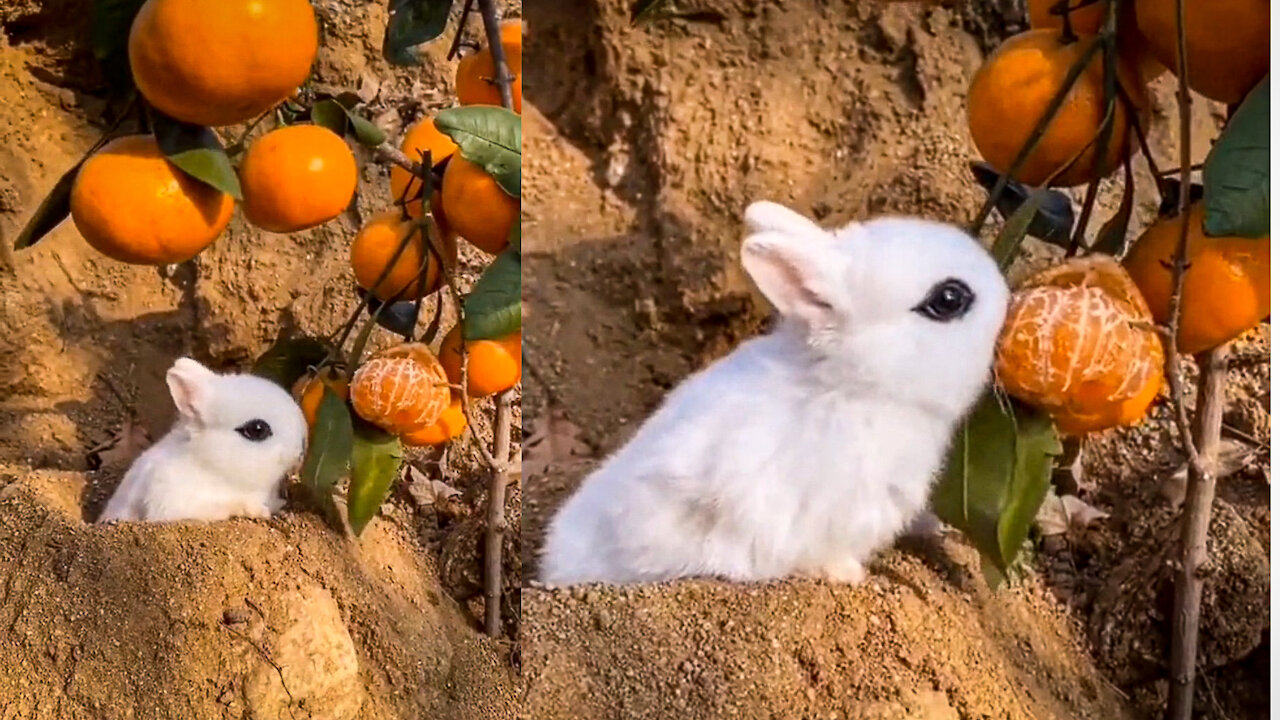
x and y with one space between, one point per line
806 450
203 469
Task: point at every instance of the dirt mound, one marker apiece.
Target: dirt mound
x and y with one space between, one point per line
923 638
651 141
229 620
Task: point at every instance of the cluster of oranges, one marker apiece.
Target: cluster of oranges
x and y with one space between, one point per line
190 61
400 390
132 205
1080 339
412 393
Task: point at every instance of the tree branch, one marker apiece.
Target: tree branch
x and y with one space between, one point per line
502 71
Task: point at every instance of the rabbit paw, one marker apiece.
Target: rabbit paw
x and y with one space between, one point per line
845 570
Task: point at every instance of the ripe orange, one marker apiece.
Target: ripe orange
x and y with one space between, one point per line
132 205
1227 289
1072 345
423 136
402 389
309 391
448 426
472 80
1228 42
374 247
1014 87
221 63
478 208
1088 19
296 178
492 365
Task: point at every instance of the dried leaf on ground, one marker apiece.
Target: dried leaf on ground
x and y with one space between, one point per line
126 444
427 491
1065 514
554 439
1233 456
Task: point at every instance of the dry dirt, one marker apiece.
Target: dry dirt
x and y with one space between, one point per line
645 144
241 619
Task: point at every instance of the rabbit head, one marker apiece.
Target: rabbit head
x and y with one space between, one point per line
241 427
903 308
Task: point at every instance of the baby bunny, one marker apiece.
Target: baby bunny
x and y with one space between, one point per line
807 449
236 438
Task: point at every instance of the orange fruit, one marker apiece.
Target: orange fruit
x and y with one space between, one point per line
1014 87
493 366
478 208
1228 42
1227 287
374 247
132 205
1088 19
402 390
309 391
1073 344
423 136
448 426
296 178
221 63
472 80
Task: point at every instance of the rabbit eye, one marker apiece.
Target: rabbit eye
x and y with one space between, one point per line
946 301
255 430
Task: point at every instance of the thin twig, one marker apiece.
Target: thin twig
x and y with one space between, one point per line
502 71
392 154
462 27
497 517
502 422
1202 445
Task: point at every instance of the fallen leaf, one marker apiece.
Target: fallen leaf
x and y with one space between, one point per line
1062 514
1233 456
554 439
427 491
369 87
125 445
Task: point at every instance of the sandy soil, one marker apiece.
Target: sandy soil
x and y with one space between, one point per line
233 620
645 145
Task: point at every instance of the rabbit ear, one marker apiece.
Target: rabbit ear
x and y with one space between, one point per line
189 385
764 216
795 273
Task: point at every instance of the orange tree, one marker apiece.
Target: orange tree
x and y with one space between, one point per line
1090 343
160 186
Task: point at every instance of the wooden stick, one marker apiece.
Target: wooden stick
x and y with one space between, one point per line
497 520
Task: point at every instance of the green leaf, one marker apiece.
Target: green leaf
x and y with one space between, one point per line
196 151
55 208
331 115
329 453
488 136
109 25
1005 247
492 309
375 465
645 9
996 476
289 359
1237 173
335 115
366 132
412 23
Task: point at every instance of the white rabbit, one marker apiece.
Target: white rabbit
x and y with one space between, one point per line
805 450
236 438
